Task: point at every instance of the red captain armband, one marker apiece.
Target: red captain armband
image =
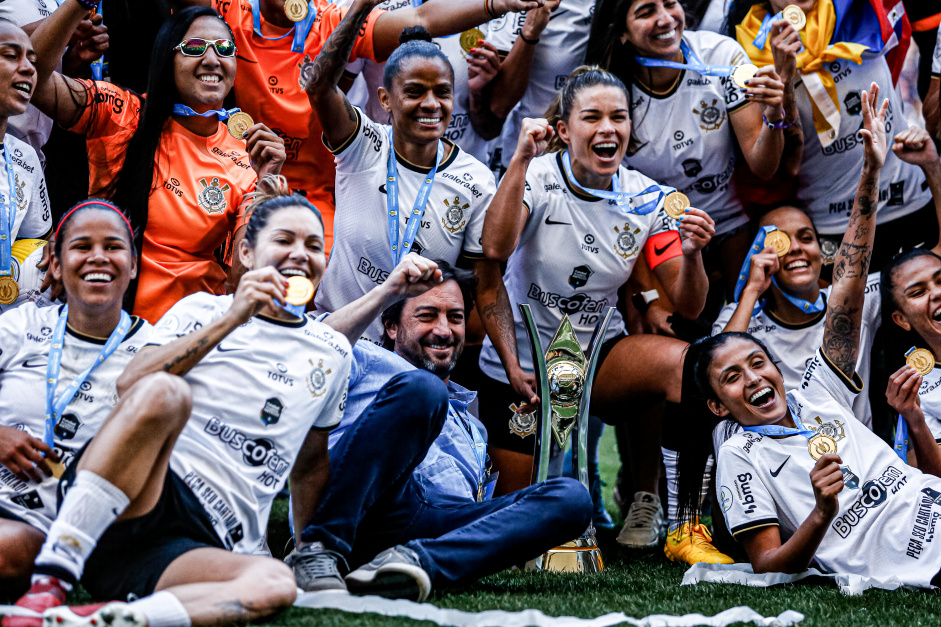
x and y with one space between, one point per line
662 247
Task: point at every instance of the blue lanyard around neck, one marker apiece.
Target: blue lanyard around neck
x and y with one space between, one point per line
621 199
300 30
777 430
693 62
418 209
7 215
476 440
55 406
224 114
762 37
756 247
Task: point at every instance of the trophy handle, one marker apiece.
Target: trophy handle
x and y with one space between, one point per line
580 441
543 426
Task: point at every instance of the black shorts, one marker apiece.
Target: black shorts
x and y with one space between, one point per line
497 400
132 554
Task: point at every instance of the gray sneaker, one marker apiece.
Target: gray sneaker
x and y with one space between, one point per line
315 568
395 573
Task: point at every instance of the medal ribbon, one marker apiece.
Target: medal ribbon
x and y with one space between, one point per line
617 195
693 62
300 30
224 114
7 215
478 444
418 209
55 406
901 439
97 66
756 247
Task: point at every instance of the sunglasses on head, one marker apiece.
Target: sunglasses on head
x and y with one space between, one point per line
196 47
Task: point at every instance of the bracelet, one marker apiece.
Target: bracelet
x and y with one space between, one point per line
777 125
90 5
488 7
531 42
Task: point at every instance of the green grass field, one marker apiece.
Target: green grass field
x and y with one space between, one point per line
638 583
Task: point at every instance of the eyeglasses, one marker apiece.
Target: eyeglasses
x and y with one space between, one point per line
196 47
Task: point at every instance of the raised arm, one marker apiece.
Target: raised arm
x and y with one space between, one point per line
851 266
914 145
761 269
441 19
932 108
323 75
58 96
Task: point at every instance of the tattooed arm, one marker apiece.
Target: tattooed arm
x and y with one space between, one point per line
850 269
336 114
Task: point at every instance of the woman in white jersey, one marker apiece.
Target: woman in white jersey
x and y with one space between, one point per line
690 122
832 71
795 492
232 395
402 187
95 259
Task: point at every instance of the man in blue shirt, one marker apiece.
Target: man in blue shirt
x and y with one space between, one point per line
410 483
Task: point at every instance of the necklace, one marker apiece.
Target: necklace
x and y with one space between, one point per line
666 91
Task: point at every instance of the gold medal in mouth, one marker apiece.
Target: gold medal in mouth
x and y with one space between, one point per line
300 290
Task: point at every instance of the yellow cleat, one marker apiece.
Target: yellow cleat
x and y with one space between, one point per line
692 543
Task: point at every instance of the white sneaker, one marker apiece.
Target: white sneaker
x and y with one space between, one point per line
644 520
111 615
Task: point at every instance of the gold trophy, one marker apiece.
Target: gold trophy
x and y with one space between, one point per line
564 374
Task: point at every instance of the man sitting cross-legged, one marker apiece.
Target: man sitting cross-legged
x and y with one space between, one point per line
410 488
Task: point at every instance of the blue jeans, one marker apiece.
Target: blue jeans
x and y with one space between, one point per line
374 502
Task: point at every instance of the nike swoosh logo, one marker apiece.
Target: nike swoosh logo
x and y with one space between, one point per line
26 364
382 189
659 251
225 350
775 473
548 221
557 14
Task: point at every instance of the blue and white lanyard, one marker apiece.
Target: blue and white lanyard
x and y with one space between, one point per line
762 37
301 29
55 406
617 196
418 209
756 247
98 65
776 430
224 114
476 440
693 62
7 215
901 439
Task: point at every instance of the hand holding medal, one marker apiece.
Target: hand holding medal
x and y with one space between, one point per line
300 291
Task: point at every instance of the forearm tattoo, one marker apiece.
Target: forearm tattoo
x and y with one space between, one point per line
500 313
841 337
187 354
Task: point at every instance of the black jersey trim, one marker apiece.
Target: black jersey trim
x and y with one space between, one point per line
803 325
854 385
417 168
284 323
325 429
575 191
738 107
473 256
672 91
349 140
136 323
754 524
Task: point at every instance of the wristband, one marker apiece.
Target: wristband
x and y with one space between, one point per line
531 42
90 5
643 299
775 125
488 7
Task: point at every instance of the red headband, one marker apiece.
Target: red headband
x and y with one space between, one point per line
100 204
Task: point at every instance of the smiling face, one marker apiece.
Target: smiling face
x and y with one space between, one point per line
917 291
597 130
654 28
291 241
749 387
430 332
421 99
800 267
17 70
204 81
96 263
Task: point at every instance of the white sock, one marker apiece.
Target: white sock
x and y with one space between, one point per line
670 459
162 609
89 508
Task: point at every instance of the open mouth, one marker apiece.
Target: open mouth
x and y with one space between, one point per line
797 265
936 316
668 35
762 398
23 87
293 272
211 79
97 277
429 121
605 150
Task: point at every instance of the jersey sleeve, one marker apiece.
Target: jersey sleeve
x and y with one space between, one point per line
730 52
364 47
746 502
13 325
822 381
38 220
724 316
936 59
363 149
110 112
331 412
872 305
663 239
187 315
473 234
535 201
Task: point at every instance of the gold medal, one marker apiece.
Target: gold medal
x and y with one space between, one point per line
296 10
821 445
300 290
57 468
469 39
921 359
9 290
742 73
676 204
779 241
239 123
794 15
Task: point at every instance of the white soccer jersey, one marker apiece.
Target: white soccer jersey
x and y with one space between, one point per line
829 176
460 131
930 397
574 254
936 59
362 256
793 347
686 138
255 397
884 528
560 50
24 338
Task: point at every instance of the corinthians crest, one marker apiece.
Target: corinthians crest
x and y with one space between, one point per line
711 117
453 219
833 428
306 68
626 244
522 424
317 379
212 197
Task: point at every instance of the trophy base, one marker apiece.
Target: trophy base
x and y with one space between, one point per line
578 556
